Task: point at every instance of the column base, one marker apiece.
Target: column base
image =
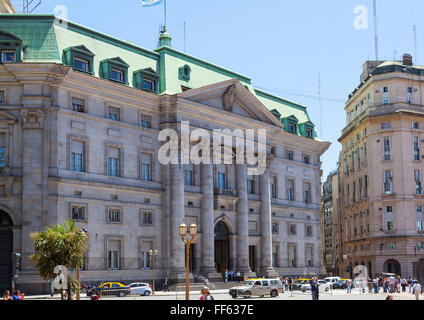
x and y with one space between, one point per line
269 273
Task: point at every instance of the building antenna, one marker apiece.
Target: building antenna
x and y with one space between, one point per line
320 105
375 29
185 36
414 28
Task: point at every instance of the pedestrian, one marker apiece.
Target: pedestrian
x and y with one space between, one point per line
290 283
417 290
7 295
94 295
165 285
349 286
410 284
389 298
203 293
226 276
207 295
17 295
403 283
52 288
375 283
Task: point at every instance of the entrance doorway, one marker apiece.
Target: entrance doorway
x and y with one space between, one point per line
6 248
392 266
222 247
252 258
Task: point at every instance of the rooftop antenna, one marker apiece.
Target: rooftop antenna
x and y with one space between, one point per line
375 29
414 28
320 105
28 6
185 35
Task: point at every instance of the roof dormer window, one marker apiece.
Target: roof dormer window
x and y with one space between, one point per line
8 56
146 79
10 48
114 69
80 58
81 64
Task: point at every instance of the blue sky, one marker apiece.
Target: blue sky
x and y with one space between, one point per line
282 45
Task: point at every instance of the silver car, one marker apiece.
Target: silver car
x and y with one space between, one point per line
140 289
258 287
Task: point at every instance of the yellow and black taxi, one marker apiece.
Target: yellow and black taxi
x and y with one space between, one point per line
111 289
298 283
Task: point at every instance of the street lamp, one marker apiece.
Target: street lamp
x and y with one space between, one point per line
153 255
187 242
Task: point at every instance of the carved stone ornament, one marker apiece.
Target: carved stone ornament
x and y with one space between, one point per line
229 97
33 118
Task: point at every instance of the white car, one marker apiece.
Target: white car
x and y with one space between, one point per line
140 289
332 280
323 286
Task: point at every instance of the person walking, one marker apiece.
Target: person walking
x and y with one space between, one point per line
375 283
349 286
290 283
51 289
94 295
226 276
403 283
417 290
312 283
410 284
165 285
206 295
7 295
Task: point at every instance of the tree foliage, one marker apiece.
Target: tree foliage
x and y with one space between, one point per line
61 244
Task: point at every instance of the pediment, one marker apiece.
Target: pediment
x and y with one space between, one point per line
119 61
84 49
233 97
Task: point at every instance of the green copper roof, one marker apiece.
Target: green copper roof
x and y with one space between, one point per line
46 38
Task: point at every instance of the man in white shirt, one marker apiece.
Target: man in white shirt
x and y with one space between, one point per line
417 290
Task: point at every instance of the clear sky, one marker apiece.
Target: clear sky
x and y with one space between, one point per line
281 44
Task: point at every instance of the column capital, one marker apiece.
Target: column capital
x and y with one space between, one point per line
32 118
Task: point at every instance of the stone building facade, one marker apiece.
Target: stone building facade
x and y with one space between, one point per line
80 117
381 168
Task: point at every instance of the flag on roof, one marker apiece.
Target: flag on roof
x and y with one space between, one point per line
148 3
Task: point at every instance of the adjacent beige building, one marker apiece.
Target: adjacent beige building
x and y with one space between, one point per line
381 171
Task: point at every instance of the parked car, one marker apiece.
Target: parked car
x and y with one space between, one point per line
258 287
323 286
342 284
111 289
297 284
332 281
140 288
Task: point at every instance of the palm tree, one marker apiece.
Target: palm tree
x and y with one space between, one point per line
61 244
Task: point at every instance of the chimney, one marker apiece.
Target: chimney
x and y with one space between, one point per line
407 60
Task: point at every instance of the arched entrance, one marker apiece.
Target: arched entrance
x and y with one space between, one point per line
392 266
222 247
6 248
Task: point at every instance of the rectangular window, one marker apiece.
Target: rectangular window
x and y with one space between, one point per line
388 182
8 56
386 125
292 127
274 260
273 187
77 156
189 176
391 245
146 167
116 75
306 159
386 95
307 192
3 152
290 190
222 180
419 216
250 186
148 85
292 229
2 98
81 64
146 121
78 105
389 218
308 133
365 154
415 125
275 228
409 95
308 231
292 256
78 213
113 162
146 261
358 158
366 187
114 114
360 189
114 253
290 155
387 148
354 191
309 255
147 218
418 185
114 215
416 149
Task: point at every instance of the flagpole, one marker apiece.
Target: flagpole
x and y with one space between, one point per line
165 13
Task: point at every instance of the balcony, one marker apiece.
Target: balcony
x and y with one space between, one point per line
225 192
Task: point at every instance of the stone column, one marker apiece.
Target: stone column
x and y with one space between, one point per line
32 179
242 221
177 218
207 223
266 268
